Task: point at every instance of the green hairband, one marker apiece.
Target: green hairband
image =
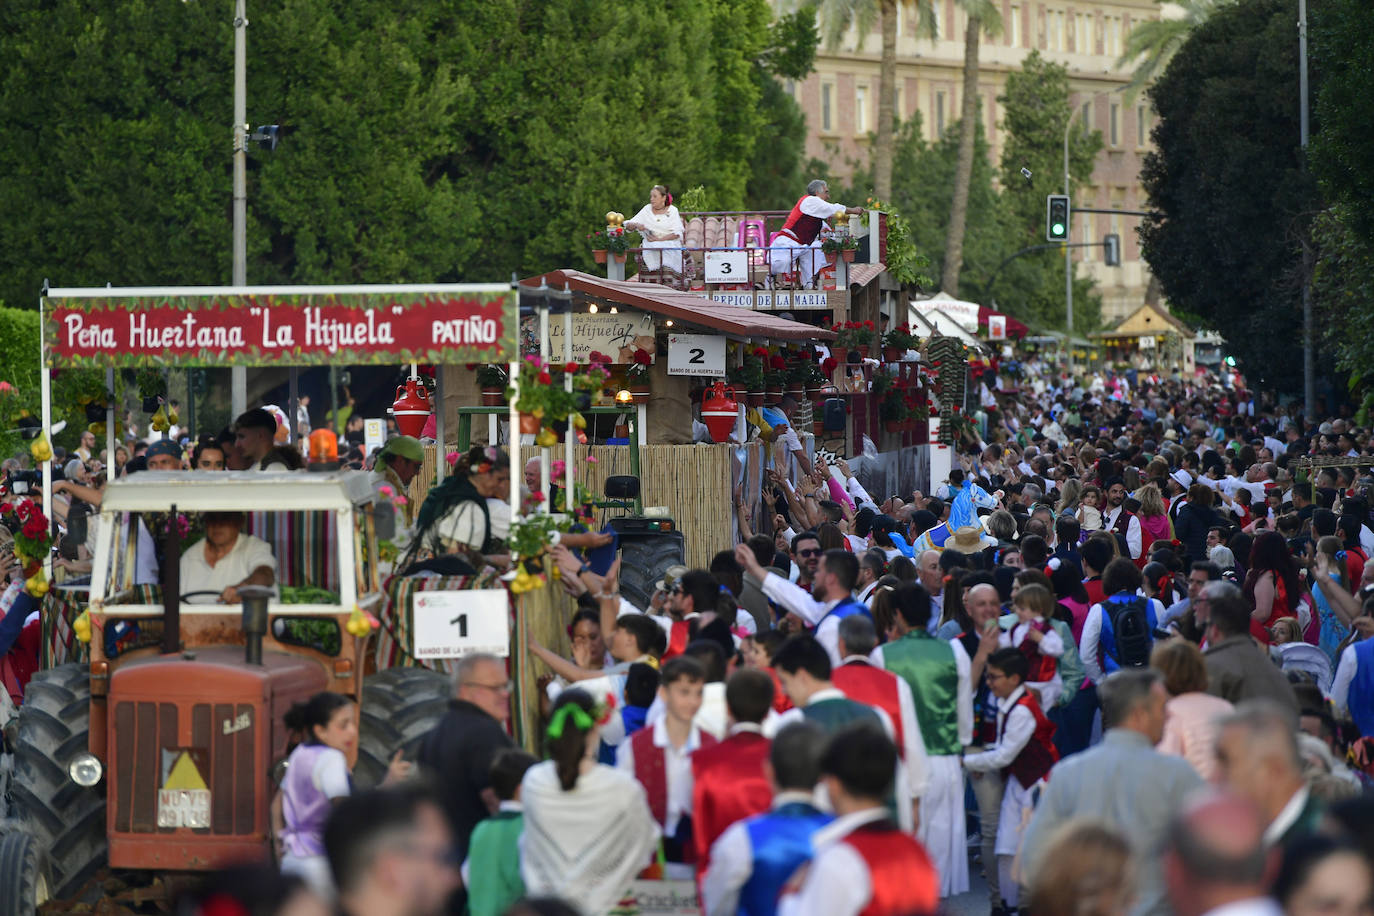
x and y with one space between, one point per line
580 718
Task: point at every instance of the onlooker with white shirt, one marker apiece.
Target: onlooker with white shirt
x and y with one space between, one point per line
831 598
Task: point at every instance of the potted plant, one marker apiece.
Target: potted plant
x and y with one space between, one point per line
541 400
841 243
797 378
637 375
775 378
748 378
897 341
864 337
619 242
491 379
597 240
151 388
892 409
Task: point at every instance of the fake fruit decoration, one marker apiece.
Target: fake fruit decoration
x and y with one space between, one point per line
162 420
358 623
546 438
524 581
614 218
41 449
37 584
81 626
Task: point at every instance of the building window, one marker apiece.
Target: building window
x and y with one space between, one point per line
1059 31
939 115
1114 126
1088 116
827 90
1086 221
934 24
860 109
1013 27
1082 40
1142 127
898 111
1112 36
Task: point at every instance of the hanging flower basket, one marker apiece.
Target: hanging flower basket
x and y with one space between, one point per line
493 397
529 424
839 354
754 398
892 354
599 255
892 426
639 392
619 258
847 254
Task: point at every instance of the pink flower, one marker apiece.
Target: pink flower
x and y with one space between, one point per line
591 459
401 500
386 490
451 458
6 387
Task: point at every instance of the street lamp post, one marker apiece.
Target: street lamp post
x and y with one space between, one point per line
238 386
1068 250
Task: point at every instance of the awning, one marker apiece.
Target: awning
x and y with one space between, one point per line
680 306
971 316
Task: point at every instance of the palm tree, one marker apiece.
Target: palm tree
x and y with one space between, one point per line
836 18
1153 42
982 17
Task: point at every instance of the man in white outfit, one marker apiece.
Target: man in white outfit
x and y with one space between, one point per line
799 238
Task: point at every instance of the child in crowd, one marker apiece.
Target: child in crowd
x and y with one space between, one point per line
660 758
317 774
1036 638
1024 749
492 870
758 651
641 686
1089 511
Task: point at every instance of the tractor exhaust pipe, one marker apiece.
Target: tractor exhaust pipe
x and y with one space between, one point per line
255 598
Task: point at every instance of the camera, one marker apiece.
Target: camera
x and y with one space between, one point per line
20 482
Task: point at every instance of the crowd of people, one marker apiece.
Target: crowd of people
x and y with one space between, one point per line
1119 661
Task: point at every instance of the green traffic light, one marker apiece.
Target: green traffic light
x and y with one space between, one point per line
1057 228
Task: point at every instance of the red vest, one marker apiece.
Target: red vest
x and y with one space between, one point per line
902 878
728 785
872 686
1042 666
652 772
21 662
1039 754
801 227
678 637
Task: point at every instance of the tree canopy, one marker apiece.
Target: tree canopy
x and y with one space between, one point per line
1232 203
457 140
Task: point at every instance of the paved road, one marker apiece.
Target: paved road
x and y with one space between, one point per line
975 901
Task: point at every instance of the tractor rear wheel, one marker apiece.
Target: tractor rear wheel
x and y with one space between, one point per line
399 707
65 821
644 560
23 875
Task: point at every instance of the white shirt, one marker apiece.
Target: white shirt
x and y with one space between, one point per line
713 716
937 610
1133 536
798 600
732 861
677 770
1015 735
247 555
838 882
964 705
1345 674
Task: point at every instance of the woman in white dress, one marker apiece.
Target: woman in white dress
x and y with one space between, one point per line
588 830
661 226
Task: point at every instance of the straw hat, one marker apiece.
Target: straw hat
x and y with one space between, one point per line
969 539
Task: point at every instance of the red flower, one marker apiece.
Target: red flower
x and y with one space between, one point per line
570 368
544 378
954 410
642 357
868 325
33 528
778 362
25 510
6 508
760 352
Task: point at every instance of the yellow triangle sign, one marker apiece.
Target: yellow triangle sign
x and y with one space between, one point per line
184 774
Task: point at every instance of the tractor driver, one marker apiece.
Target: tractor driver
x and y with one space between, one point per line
226 559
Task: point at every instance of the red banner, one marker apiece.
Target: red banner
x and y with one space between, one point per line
381 327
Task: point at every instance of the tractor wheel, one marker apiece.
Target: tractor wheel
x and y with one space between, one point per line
399 707
23 875
65 820
644 560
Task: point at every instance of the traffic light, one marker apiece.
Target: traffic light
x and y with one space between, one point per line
1057 218
1111 247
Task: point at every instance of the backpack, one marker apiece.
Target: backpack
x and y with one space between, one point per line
1131 628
